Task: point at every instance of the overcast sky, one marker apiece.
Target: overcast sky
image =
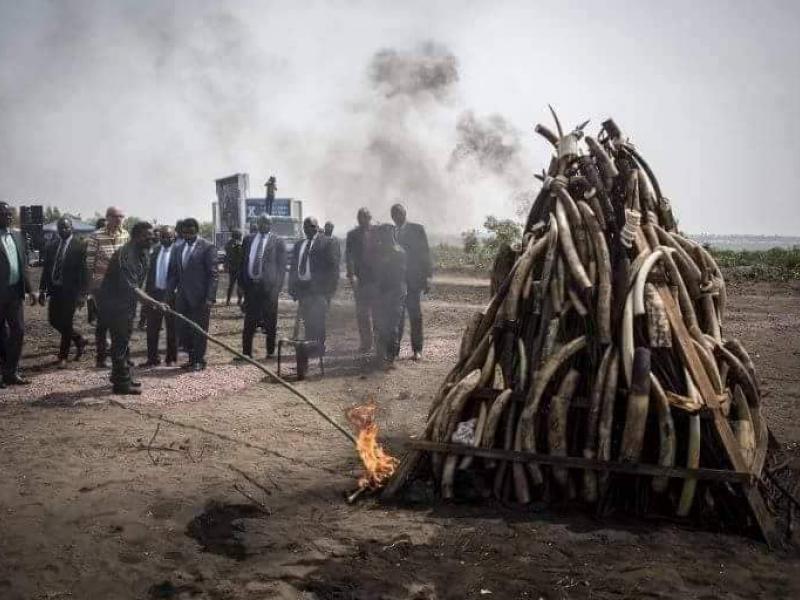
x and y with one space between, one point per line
143 104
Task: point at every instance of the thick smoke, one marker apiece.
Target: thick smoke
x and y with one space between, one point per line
432 69
449 170
143 107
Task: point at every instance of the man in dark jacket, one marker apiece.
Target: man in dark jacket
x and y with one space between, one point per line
262 271
65 282
117 298
14 287
313 278
196 281
390 293
160 276
412 237
233 263
359 251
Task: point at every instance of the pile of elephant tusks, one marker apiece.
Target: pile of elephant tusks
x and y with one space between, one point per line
582 351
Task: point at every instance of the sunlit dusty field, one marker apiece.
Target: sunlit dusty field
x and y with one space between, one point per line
102 500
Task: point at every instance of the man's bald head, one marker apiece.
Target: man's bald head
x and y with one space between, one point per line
398 212
114 217
310 227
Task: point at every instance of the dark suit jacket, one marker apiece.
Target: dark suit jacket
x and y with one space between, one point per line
323 259
24 285
197 283
418 255
273 264
359 253
172 279
74 273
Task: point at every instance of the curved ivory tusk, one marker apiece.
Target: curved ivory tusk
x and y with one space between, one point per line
493 418
636 413
692 454
666 433
526 434
558 123
641 278
743 426
607 415
557 423
546 134
603 260
568 247
592 419
487 371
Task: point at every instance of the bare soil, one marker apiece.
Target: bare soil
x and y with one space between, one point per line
104 500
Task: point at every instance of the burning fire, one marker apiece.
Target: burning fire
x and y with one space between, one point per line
378 465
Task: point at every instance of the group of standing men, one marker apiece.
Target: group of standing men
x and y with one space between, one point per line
387 265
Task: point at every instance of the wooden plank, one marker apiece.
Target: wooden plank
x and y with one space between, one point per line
721 427
583 463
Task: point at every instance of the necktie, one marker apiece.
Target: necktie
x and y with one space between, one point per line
186 254
58 270
259 255
304 258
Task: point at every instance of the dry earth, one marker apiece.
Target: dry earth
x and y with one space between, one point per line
87 512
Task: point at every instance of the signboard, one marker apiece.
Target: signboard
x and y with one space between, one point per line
231 194
255 207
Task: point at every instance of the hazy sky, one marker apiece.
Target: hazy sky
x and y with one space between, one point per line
143 104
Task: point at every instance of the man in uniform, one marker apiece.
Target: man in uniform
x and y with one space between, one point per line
412 237
14 287
101 246
359 257
65 282
196 283
117 298
160 276
263 268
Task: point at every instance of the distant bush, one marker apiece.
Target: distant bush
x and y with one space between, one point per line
781 264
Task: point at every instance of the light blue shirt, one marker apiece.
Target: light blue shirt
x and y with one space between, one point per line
12 255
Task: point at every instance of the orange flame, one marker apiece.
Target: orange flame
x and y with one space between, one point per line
378 464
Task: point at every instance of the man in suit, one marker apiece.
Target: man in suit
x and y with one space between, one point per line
233 263
116 302
262 271
65 282
313 277
359 254
412 237
101 246
14 287
196 281
160 275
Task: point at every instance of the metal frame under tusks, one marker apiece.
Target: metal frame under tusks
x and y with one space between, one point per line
275 377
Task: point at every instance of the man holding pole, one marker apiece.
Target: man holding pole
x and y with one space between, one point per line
116 302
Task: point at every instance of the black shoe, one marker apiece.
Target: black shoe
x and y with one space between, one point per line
187 365
101 363
150 363
14 379
135 384
124 390
198 367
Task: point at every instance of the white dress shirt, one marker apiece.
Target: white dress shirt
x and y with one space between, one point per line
187 252
305 247
251 260
162 267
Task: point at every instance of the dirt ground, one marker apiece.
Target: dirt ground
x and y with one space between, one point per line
88 512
